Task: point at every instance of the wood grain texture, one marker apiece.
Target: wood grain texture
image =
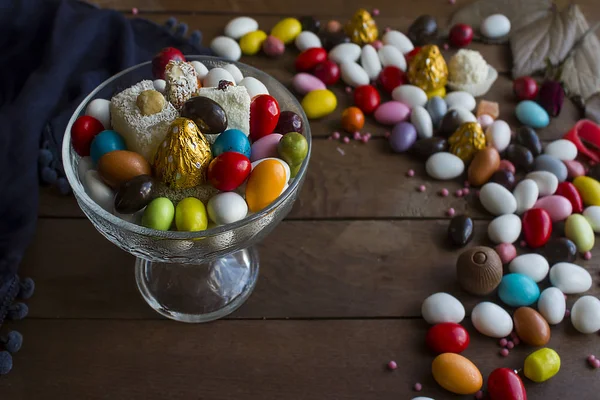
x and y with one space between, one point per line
292 360
309 269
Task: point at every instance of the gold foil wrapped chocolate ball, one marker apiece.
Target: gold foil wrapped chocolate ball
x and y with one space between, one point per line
362 28
467 140
182 159
428 69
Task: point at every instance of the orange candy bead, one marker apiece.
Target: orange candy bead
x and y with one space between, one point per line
266 182
353 119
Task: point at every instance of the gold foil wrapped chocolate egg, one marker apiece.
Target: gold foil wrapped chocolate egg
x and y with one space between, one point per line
467 140
182 158
362 28
428 69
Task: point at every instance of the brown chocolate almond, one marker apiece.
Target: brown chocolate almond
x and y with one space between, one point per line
120 166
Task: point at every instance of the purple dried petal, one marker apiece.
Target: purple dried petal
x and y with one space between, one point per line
552 97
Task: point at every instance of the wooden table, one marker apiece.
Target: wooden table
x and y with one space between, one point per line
342 278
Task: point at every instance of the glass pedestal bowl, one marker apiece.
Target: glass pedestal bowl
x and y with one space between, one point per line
189 276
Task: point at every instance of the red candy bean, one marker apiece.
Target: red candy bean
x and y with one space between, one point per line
537 227
366 97
447 337
391 77
570 192
461 35
310 58
264 115
83 132
328 72
505 384
229 170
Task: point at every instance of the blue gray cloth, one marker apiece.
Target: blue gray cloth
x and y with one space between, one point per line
52 54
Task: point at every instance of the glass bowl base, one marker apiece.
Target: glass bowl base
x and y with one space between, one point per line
198 292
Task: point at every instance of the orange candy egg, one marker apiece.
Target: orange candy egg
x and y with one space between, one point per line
266 182
456 374
353 119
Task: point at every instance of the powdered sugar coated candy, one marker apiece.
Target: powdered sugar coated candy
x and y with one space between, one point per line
570 278
505 229
498 135
444 166
442 307
585 314
235 73
506 251
399 40
546 181
552 305
495 26
491 320
215 76
497 199
304 83
533 265
345 52
160 85
236 101
526 193
353 74
238 27
410 95
226 208
562 149
306 40
99 109
370 61
420 118
226 47
253 86
460 99
392 112
390 55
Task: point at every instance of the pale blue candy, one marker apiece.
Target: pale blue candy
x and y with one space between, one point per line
231 140
105 142
546 162
532 114
518 290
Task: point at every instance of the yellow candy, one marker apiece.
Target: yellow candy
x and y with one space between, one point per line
589 189
251 42
542 365
287 29
580 232
266 182
456 374
440 92
319 103
190 215
467 140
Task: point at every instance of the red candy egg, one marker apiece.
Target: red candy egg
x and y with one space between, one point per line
83 132
525 88
391 77
160 61
229 170
537 227
411 54
570 192
310 58
461 35
366 97
505 384
328 72
264 115
447 337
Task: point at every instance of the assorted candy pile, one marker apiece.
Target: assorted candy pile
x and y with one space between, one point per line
531 189
191 147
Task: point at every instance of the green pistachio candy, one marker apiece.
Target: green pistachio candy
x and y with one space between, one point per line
190 215
293 148
159 214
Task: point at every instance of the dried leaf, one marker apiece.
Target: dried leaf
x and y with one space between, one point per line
581 71
520 13
548 40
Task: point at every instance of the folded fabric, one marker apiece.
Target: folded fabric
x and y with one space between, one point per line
52 54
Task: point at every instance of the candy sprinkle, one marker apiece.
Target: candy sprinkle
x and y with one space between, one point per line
467 184
513 335
479 395
444 192
392 365
517 341
523 243
410 173
567 313
375 12
377 44
357 135
466 191
458 193
510 345
587 255
348 89
421 188
346 139
591 358
446 46
596 364
504 352
418 387
365 139
335 135
135 11
451 212
503 342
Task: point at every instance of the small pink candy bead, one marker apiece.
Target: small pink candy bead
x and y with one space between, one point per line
368 134
446 46
587 255
452 2
485 120
392 365
466 184
513 335
365 139
348 89
357 135
458 193
517 341
410 173
444 192
596 363
504 352
377 44
346 139
503 342
506 251
418 387
421 188
466 191
591 358
523 243
510 345
451 212
375 12
567 313
335 135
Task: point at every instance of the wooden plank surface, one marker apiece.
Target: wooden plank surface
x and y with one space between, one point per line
292 360
309 269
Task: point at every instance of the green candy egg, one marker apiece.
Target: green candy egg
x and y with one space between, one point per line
293 148
190 215
159 214
542 365
580 232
